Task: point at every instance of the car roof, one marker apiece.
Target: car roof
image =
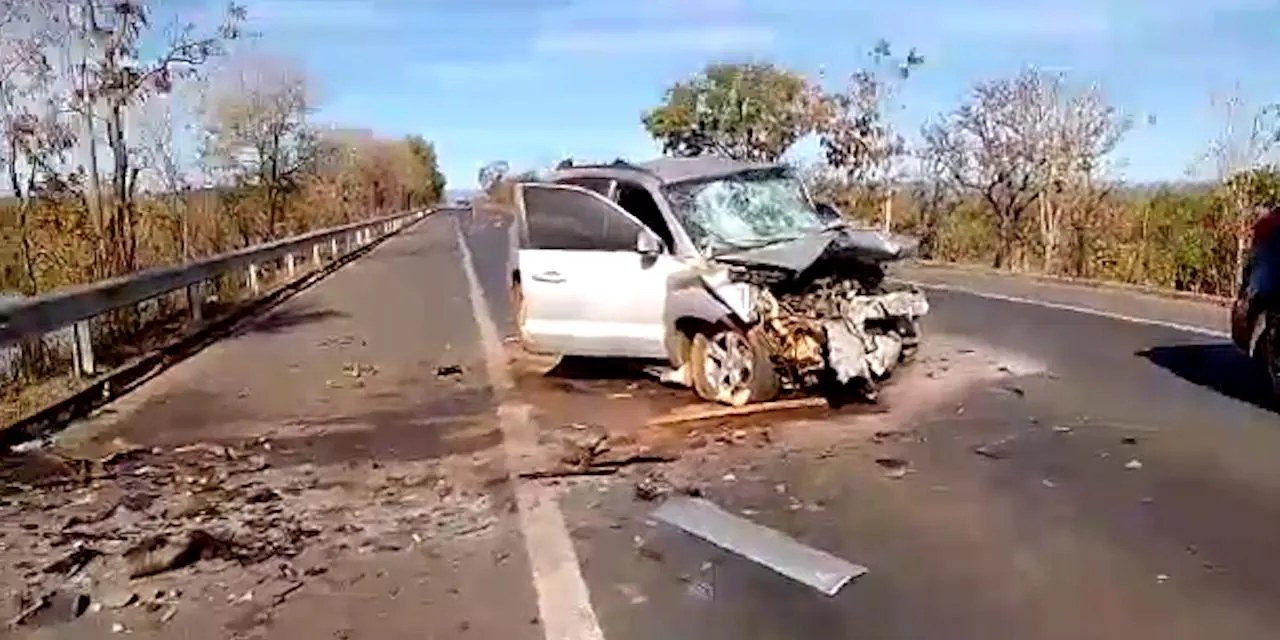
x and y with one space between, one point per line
665 171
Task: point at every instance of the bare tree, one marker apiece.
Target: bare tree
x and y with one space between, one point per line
257 131
990 146
34 137
114 73
1080 131
854 128
160 158
936 196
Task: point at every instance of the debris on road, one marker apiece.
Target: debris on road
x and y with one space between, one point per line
61 605
893 467
987 451
147 526
449 371
762 545
599 467
896 435
587 457
358 370
696 413
995 450
74 561
654 485
158 554
1133 465
567 472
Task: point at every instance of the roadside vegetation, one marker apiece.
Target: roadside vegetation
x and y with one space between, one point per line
129 140
1023 174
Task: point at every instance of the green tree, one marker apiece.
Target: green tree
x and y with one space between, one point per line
746 111
432 187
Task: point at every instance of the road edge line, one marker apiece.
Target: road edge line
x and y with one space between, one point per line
564 602
1164 324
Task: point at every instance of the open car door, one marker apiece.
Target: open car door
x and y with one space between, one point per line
587 288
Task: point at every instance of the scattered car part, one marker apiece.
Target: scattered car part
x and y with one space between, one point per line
762 545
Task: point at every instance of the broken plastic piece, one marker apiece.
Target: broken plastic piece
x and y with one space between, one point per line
760 544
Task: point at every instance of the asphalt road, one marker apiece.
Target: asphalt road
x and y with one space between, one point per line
1133 491
1070 475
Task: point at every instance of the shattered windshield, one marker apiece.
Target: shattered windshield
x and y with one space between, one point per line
744 210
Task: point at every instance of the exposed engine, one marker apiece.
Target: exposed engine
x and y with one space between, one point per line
837 322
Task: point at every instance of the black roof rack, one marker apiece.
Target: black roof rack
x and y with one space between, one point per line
618 163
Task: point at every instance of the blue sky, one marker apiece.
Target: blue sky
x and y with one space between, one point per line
532 81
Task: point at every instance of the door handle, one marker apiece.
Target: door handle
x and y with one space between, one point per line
549 276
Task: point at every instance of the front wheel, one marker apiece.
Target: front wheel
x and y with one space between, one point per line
732 367
1265 345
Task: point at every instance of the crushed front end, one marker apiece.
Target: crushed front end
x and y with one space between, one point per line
835 323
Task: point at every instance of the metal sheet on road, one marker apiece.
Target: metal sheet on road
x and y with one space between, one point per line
760 544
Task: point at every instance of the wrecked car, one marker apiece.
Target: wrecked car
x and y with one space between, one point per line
724 270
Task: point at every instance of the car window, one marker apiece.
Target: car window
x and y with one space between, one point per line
562 217
638 202
602 186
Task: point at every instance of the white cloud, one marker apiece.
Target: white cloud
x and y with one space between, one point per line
701 40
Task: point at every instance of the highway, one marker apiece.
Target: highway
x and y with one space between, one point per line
1080 463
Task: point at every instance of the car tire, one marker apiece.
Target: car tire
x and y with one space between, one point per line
1266 347
732 367
525 356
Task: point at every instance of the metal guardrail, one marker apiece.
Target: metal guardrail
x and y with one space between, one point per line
76 306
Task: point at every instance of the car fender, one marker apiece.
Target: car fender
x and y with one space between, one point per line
701 297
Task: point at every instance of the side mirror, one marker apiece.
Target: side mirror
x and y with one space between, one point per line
648 243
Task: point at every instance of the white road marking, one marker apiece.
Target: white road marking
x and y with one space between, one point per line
564 603
1077 309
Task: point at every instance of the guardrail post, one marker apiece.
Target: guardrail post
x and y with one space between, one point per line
289 266
195 301
82 345
253 279
333 248
315 256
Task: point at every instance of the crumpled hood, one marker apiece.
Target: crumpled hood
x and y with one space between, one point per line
797 255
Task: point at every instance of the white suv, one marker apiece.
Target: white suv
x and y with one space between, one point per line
725 270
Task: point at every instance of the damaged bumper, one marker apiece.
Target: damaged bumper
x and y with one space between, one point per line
822 306
855 337
856 351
